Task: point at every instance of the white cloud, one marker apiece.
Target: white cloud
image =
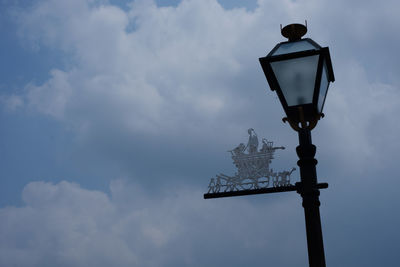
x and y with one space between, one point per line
190 73
160 76
360 119
11 102
52 97
65 225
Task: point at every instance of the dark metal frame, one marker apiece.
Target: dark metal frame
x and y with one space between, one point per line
307 116
308 111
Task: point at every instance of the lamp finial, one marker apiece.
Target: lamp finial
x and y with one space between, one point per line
294 31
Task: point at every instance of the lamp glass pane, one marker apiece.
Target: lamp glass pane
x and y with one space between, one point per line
292 47
323 88
296 78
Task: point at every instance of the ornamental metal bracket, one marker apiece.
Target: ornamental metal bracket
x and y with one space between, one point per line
254 175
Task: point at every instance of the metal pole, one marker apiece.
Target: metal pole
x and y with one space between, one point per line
310 194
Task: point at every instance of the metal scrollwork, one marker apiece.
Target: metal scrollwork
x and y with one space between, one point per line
253 171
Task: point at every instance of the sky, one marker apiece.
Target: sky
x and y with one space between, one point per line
115 114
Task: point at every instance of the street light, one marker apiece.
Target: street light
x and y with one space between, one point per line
300 71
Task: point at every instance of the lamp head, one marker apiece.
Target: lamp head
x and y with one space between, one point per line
299 70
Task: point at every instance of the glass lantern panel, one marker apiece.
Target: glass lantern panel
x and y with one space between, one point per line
296 78
292 47
323 88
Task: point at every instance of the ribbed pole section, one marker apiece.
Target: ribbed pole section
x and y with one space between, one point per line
309 191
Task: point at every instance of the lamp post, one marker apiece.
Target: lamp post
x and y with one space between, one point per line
300 71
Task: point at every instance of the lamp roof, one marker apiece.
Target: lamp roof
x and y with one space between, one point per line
296 46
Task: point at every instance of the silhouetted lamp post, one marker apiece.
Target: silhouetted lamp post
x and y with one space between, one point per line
300 71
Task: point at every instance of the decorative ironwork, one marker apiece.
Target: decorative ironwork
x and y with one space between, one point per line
253 171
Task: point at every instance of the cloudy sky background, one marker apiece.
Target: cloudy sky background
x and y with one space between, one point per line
115 114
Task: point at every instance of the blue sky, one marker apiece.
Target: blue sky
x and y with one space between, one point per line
115 114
